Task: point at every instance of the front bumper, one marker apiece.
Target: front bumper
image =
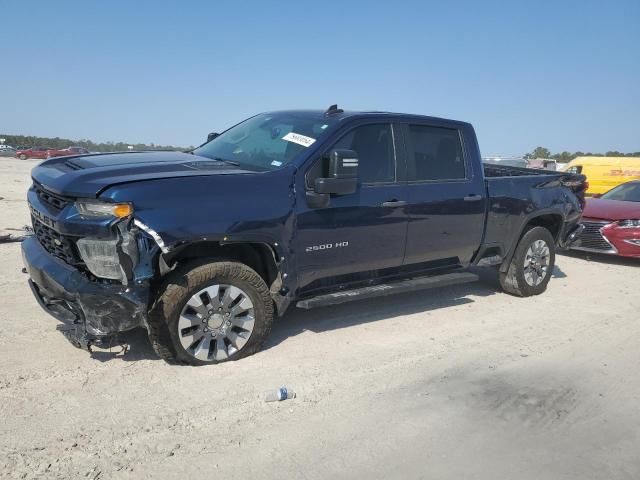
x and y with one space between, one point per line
625 240
606 236
92 312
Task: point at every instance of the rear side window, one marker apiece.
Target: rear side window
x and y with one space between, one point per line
435 153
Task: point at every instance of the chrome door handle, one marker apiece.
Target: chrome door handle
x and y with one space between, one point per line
394 203
472 198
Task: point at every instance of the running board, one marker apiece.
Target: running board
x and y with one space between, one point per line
410 285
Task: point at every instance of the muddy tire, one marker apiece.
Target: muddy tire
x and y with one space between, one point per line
207 313
532 264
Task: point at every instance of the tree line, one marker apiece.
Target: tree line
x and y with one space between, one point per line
565 157
28 141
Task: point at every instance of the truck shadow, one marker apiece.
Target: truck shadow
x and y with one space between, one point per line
297 321
134 345
130 346
557 272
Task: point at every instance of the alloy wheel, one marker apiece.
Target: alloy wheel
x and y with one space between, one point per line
216 322
536 263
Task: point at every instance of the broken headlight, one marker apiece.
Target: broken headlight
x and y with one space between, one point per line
110 259
101 258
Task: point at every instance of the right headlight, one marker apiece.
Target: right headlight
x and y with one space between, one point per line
95 209
629 223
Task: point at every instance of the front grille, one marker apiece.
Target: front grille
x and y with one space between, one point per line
54 243
58 202
592 239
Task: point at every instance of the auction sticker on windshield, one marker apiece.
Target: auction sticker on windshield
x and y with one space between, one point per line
299 139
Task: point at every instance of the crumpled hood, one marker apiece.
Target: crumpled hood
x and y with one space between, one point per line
611 209
88 175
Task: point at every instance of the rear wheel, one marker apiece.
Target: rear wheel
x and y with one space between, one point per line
532 264
22 156
211 313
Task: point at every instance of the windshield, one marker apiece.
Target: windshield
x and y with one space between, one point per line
627 192
268 141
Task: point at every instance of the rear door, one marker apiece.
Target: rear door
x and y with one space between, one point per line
446 197
360 232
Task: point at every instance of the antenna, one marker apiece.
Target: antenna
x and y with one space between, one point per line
333 109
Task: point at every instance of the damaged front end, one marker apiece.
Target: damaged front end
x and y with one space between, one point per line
91 271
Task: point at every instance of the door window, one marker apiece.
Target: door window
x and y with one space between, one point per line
373 145
435 153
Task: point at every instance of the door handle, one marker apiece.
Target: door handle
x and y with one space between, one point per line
394 203
473 198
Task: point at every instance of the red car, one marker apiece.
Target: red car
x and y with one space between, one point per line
612 222
35 152
53 152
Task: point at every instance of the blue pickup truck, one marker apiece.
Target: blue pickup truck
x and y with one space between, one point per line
204 248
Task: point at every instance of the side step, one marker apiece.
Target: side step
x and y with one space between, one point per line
410 285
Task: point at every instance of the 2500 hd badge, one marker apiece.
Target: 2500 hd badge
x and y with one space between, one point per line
326 246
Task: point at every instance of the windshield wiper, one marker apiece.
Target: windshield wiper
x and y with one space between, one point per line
224 160
217 159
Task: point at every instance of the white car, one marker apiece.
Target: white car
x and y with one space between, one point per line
7 151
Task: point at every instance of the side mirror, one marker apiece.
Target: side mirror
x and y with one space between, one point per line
596 195
343 174
343 164
212 135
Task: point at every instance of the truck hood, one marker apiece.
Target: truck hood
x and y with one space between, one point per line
88 175
611 209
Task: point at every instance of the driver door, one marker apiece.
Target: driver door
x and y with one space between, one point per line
361 233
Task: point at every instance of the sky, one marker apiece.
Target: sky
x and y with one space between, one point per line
561 74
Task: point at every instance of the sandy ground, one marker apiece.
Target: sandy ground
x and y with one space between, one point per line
462 383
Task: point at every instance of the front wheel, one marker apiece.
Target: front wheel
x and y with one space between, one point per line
532 264
22 156
211 313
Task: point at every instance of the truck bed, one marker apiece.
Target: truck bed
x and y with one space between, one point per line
514 193
493 171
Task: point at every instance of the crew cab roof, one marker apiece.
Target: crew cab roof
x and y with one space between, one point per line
343 115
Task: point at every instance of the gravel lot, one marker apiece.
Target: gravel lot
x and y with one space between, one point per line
459 382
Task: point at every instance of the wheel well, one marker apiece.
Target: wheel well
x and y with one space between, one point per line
551 222
259 256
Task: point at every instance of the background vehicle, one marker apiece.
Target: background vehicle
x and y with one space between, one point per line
604 173
612 222
507 161
7 151
52 152
35 152
310 207
543 163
